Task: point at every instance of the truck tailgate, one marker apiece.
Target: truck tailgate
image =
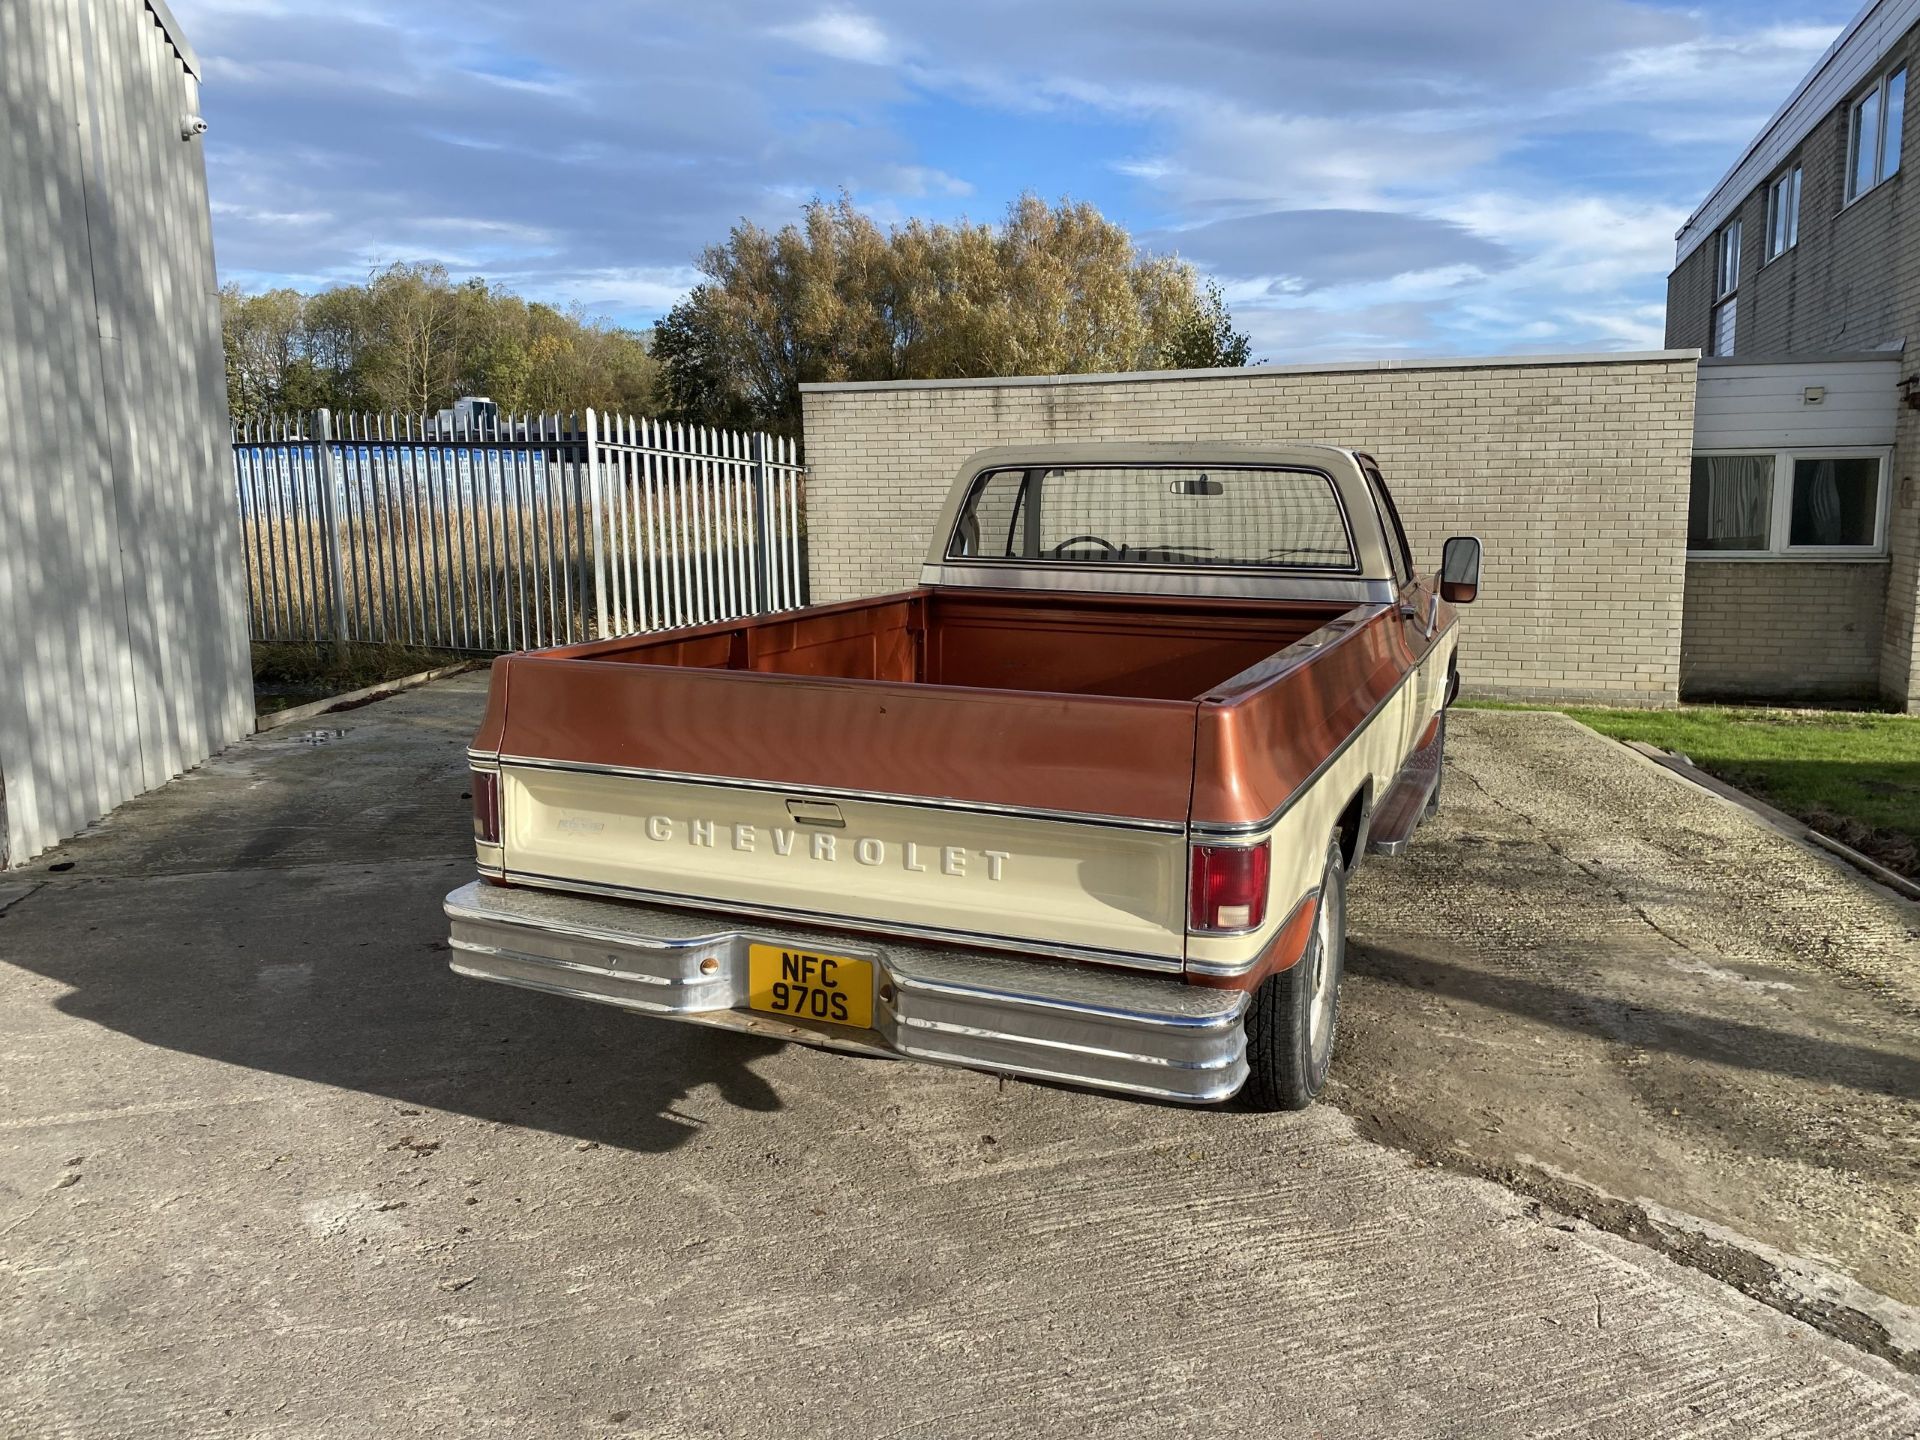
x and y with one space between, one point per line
1050 822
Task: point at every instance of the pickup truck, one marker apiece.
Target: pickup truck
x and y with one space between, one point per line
1081 806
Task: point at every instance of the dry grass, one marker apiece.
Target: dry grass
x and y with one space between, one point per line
462 567
292 673
481 581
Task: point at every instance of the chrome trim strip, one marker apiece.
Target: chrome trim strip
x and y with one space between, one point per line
1225 584
473 947
1285 662
809 792
1224 1021
1123 959
1204 830
1101 1052
1211 1095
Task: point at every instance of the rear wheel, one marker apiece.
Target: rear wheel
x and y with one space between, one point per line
1295 1015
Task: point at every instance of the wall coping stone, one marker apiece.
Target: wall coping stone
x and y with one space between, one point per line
1343 367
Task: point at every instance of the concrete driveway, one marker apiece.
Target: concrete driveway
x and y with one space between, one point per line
267 1168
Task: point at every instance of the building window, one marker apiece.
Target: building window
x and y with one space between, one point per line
1724 315
1726 279
1783 213
1728 252
1873 137
1836 502
1788 503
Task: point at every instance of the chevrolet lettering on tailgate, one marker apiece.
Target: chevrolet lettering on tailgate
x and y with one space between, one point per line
953 860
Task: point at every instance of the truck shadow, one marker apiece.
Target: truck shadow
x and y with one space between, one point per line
258 971
1643 1023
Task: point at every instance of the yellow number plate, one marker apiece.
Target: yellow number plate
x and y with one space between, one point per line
806 985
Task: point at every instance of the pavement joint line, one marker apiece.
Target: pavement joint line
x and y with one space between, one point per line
12 895
1591 872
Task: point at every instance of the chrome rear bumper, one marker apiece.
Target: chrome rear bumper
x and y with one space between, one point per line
1048 1019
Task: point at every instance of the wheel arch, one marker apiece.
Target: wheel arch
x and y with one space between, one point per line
1356 817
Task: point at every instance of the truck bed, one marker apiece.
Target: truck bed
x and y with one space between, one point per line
1141 647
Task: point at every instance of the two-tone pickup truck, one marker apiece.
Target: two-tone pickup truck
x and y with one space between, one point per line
1081 806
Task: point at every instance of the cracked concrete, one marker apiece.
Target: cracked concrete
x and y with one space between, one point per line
267 1168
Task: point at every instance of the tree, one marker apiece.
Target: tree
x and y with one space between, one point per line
1051 290
410 341
1205 338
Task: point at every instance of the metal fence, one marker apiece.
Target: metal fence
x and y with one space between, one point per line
511 533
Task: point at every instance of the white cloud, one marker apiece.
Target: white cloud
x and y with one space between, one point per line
646 288
1491 174
914 181
843 35
1232 158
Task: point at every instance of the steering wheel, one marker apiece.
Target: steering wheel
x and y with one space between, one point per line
1059 550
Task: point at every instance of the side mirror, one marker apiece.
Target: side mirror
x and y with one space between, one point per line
1460 570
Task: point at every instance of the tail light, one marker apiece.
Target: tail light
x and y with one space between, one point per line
486 806
1228 890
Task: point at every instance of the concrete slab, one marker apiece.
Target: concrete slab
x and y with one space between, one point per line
267 1167
1596 982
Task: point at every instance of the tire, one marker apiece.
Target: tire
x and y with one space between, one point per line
1295 1016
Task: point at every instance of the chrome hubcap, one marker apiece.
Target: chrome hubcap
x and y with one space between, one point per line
1326 972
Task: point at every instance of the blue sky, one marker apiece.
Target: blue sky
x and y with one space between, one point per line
1374 178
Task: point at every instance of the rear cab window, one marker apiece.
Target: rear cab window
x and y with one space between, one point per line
1156 515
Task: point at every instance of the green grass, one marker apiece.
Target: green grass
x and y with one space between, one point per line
1854 775
286 675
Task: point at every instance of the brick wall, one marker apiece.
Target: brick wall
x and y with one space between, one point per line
1573 473
1782 631
1851 283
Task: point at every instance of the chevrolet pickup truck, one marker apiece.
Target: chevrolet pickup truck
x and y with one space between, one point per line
1081 806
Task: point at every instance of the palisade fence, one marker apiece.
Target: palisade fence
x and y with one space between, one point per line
511 533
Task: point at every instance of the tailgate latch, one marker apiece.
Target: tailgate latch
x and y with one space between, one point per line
823 813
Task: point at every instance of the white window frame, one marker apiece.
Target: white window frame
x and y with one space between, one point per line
1780 527
1729 307
1726 260
1788 184
1726 285
1881 175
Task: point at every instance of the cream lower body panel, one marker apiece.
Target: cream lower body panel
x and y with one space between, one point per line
1050 1020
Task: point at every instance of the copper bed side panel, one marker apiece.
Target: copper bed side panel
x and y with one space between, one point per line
763 632
1085 754
493 723
1256 749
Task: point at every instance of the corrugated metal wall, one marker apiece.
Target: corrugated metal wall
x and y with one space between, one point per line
123 655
